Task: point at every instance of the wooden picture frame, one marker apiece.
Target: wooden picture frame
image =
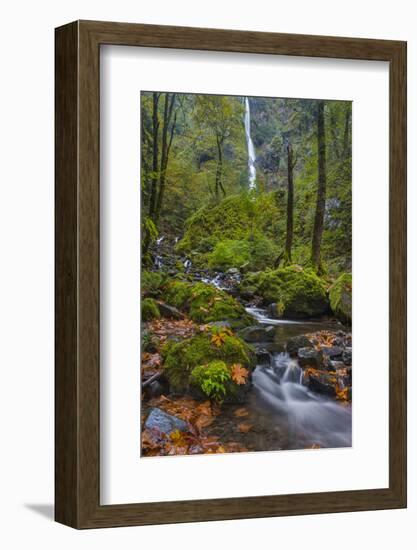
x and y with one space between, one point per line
77 382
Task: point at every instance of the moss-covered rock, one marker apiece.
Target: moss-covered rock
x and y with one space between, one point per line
181 358
235 218
150 310
296 292
151 283
206 304
340 294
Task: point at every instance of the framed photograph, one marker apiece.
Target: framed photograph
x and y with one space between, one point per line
230 274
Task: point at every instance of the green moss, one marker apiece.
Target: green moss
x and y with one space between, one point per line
340 294
257 253
151 283
235 218
228 254
149 310
206 304
177 293
181 358
212 379
297 292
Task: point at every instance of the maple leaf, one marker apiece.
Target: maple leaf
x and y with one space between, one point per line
244 427
218 339
241 412
239 374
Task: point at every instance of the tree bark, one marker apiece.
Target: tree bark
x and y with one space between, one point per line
165 148
219 171
346 133
155 155
290 204
321 190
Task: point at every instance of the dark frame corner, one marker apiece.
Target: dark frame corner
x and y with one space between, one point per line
77 274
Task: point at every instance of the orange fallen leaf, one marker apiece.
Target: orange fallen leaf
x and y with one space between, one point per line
241 412
239 374
244 428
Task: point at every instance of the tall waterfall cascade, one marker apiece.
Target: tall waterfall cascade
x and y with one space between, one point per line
251 148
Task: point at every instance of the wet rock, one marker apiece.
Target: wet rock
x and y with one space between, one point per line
297 342
347 356
333 352
321 383
274 311
258 334
263 357
310 357
169 311
232 271
155 389
164 422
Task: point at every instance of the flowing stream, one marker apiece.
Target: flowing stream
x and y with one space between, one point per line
287 414
251 148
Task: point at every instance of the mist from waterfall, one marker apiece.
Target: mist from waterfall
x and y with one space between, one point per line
251 148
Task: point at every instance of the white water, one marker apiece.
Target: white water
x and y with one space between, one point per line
282 400
251 148
309 418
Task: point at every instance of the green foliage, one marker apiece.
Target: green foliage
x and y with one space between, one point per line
211 379
150 310
228 254
340 294
236 218
180 358
297 292
151 282
258 253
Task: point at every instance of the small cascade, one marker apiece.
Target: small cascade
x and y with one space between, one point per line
158 262
187 264
251 148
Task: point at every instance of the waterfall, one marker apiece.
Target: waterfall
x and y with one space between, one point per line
251 149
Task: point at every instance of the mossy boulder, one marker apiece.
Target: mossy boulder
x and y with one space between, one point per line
149 310
181 358
296 292
204 303
151 283
235 218
340 294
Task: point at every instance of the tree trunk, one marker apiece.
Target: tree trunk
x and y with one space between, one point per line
165 148
155 155
219 171
321 190
346 132
290 204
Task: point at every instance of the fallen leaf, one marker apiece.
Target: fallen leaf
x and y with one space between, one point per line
239 374
244 428
241 412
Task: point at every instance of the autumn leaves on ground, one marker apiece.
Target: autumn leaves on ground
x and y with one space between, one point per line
245 283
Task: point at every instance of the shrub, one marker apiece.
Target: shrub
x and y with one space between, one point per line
228 254
211 379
